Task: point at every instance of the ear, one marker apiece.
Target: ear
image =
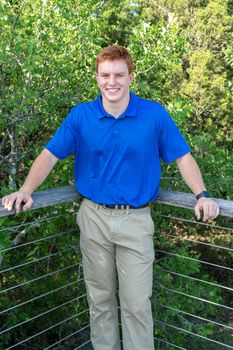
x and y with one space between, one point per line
131 77
96 77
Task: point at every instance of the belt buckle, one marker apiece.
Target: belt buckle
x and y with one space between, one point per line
116 206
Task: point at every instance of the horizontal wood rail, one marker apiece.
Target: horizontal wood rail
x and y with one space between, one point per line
53 196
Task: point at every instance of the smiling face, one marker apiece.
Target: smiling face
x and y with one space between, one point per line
114 79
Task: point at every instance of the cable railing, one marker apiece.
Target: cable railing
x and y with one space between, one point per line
43 299
194 307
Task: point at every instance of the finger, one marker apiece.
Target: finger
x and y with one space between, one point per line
197 212
206 214
18 203
3 201
212 213
28 204
216 211
9 202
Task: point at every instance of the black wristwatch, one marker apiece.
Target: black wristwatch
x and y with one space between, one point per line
203 194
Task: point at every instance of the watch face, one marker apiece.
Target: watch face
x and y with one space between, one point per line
206 194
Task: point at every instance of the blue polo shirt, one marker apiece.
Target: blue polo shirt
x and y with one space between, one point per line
117 160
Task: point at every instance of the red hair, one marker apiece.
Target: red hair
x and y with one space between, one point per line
114 52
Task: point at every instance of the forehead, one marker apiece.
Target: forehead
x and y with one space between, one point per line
113 66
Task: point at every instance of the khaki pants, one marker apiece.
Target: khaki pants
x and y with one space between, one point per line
118 241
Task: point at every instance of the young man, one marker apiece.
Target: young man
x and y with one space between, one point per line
118 141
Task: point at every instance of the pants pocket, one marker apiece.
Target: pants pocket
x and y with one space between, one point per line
151 228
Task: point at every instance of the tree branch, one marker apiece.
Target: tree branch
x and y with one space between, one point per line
165 10
16 20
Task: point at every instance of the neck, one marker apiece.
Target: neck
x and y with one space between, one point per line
114 108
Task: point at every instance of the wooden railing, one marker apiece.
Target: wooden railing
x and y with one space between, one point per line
70 265
69 194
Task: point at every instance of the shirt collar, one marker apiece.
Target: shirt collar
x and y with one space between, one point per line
130 111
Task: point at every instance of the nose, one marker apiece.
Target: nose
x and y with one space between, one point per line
112 80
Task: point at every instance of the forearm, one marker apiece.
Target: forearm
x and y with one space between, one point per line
191 173
193 178
39 171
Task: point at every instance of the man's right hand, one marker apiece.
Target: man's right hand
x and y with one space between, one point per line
15 199
40 169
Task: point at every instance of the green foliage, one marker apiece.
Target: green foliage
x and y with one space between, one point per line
183 58
178 296
47 251
159 52
45 68
182 55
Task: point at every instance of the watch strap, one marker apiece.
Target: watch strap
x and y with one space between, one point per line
203 194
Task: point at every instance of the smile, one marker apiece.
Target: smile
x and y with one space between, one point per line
112 89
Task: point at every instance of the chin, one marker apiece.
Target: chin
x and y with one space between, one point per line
113 98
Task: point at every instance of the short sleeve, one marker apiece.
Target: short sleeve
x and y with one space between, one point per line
65 140
172 144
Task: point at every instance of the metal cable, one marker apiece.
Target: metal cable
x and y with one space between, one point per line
197 279
35 221
196 298
45 330
42 314
193 259
38 278
36 260
38 240
40 296
195 316
68 336
195 222
194 334
199 242
82 345
166 342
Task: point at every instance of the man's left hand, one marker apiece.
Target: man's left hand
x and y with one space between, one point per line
208 207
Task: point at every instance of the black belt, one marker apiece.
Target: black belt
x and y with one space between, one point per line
119 206
123 206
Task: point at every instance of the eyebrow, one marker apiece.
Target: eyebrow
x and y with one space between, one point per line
103 73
